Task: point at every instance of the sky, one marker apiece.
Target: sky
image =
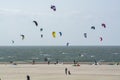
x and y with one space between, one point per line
72 17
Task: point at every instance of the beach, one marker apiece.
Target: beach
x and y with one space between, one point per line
57 72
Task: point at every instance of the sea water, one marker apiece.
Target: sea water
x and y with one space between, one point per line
60 53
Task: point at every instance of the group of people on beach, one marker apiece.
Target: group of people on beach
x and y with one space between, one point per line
67 72
46 60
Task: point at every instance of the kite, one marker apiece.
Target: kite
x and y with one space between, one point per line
54 34
41 35
85 35
67 44
13 41
103 25
53 7
23 36
41 29
35 23
101 38
60 33
93 27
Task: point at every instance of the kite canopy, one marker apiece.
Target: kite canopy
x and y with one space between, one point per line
41 29
41 35
85 35
22 36
13 41
60 33
101 39
54 34
67 44
35 23
93 27
103 25
53 7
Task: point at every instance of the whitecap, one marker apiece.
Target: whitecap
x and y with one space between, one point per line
45 55
116 53
92 56
35 58
101 60
64 53
11 56
82 55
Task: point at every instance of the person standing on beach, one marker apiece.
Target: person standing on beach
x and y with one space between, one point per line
28 77
74 62
57 61
33 62
66 71
69 72
48 62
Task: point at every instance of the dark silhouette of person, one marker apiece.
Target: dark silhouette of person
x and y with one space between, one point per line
48 62
33 62
57 61
28 77
74 62
69 72
66 71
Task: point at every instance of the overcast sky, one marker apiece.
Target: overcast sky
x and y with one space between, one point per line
72 17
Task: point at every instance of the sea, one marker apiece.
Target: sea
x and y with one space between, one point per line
60 53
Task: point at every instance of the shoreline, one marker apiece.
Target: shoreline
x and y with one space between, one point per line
83 63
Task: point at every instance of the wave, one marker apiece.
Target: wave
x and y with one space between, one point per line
115 53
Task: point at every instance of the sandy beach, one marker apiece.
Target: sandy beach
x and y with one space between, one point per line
57 72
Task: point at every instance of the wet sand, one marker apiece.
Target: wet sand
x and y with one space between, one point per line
57 72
